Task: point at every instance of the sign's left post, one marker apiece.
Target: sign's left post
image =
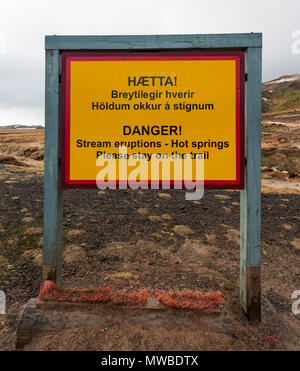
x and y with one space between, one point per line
53 194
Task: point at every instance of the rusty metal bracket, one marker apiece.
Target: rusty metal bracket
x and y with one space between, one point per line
254 294
49 273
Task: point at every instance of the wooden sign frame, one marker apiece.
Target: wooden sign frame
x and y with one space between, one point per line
250 200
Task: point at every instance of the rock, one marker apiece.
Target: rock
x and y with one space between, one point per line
287 227
226 209
73 253
233 235
178 261
235 203
166 232
166 217
194 251
142 211
296 245
101 193
164 195
74 233
15 198
148 248
34 230
222 197
156 235
3 262
164 252
155 218
12 241
38 259
36 255
211 238
224 225
118 251
227 285
27 219
183 230
197 202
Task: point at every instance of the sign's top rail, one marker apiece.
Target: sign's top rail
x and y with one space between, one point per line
137 42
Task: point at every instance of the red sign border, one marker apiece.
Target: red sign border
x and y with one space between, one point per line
238 56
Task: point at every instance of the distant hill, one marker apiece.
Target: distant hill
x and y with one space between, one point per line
22 127
282 94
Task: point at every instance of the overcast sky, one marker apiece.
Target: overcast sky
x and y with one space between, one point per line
23 25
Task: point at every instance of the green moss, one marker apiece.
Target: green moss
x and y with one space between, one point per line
23 241
291 103
216 277
122 276
284 159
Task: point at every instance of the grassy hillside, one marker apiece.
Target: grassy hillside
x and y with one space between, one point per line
281 94
281 126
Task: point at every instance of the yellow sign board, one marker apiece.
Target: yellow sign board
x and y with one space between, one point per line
138 108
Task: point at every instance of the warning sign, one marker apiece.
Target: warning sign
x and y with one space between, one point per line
137 109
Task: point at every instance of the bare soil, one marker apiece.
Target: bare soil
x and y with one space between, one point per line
129 239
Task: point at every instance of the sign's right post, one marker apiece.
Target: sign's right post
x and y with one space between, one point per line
250 213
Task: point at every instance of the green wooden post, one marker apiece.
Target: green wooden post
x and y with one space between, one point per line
53 195
251 196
